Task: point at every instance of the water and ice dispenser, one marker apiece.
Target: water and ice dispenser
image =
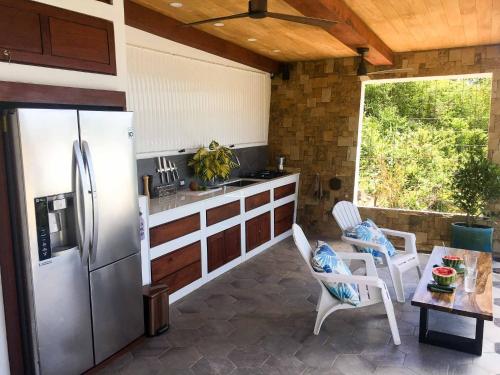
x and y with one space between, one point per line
55 224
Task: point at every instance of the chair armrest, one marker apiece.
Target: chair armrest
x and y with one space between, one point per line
371 270
361 243
410 238
397 233
351 279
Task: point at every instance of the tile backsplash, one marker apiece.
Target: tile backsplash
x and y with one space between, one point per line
251 159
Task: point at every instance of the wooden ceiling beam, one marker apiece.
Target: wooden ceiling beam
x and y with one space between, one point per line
351 31
166 27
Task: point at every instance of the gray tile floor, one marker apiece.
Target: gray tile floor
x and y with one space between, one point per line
259 317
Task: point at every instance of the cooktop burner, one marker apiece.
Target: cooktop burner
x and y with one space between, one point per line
265 174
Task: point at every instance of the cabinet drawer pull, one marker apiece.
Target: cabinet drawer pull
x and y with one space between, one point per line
7 54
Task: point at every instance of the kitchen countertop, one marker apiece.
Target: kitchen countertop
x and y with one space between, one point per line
185 197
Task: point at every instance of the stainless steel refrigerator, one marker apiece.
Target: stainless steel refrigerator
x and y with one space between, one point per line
76 188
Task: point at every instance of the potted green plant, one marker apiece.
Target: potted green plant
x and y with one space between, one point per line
476 184
212 164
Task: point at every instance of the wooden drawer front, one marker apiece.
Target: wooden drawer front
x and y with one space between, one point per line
224 212
175 261
257 200
183 277
174 229
284 191
258 231
20 30
283 218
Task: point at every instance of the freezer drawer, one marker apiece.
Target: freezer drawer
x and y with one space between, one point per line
63 315
117 311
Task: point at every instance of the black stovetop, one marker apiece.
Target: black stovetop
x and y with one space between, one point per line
265 174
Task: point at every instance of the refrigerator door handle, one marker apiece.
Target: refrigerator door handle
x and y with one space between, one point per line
83 187
87 157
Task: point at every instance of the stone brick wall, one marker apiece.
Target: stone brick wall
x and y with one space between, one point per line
314 123
430 228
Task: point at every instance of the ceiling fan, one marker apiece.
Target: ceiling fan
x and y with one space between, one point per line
362 70
257 9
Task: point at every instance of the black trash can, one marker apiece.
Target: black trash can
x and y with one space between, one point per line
156 317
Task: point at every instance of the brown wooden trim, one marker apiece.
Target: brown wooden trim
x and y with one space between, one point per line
114 357
351 30
7 265
156 23
16 92
23 93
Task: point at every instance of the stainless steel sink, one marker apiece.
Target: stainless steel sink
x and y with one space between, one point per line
241 183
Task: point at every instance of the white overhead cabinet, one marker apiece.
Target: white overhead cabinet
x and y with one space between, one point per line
184 102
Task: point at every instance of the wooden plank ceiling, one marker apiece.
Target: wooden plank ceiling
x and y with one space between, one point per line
279 40
417 25
396 25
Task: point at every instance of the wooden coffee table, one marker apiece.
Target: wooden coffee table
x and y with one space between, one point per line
478 305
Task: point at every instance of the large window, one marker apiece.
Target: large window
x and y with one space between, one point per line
414 135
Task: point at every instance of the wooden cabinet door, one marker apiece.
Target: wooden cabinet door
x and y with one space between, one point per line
20 33
283 218
252 233
86 44
258 231
232 243
215 251
39 34
265 228
223 247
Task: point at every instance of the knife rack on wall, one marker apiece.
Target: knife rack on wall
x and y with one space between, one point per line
169 175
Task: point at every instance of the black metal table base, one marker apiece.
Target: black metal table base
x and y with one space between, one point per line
449 341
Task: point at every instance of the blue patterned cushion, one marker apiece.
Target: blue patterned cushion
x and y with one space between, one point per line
368 231
326 260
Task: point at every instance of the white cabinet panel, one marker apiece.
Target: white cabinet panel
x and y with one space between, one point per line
184 102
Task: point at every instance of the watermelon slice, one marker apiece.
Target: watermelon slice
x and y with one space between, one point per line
452 261
444 275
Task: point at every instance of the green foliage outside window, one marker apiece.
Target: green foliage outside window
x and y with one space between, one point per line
415 135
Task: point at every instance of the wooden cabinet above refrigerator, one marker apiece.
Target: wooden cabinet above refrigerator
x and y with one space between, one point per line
38 34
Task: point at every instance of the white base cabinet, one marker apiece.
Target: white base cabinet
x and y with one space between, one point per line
193 240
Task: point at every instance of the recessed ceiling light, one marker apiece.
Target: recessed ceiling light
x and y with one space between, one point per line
218 24
276 50
252 39
176 5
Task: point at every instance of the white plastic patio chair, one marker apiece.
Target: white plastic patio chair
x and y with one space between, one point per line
372 289
347 216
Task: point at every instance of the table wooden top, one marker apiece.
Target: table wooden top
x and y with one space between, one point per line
478 304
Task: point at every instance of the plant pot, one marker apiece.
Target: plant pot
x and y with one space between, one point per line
476 237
